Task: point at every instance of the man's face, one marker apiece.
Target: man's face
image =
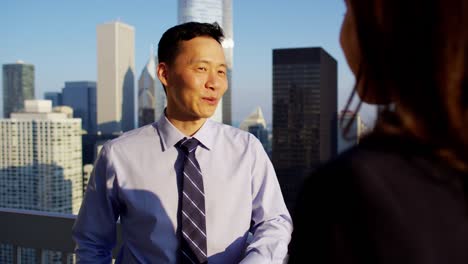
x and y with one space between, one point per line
196 80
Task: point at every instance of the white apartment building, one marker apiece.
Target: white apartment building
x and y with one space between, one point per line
40 159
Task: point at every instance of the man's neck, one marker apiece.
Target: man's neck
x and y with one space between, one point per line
187 127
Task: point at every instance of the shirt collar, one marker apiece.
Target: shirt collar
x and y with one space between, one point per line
206 134
170 135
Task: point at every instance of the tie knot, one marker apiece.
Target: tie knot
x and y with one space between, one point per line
188 145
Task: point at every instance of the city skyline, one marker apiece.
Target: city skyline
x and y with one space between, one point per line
40 165
63 46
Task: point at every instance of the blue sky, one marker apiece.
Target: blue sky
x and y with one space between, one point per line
59 38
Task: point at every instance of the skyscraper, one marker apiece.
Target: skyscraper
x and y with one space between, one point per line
18 85
256 117
40 164
209 11
151 97
55 97
304 114
81 96
116 77
255 123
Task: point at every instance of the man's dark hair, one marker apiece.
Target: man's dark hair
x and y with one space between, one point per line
169 43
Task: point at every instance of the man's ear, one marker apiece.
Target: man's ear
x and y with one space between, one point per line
162 73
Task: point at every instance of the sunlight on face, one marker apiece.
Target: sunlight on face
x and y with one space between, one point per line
196 80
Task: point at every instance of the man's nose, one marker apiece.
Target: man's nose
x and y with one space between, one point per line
213 80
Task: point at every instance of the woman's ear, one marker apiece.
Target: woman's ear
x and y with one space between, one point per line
372 93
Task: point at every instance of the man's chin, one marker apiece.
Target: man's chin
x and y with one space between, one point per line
207 115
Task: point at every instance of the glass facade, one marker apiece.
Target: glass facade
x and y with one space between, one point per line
304 114
147 101
18 85
55 97
81 96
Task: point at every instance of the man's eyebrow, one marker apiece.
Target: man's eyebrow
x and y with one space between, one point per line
208 62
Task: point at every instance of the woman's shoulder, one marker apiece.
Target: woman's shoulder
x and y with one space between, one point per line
385 161
380 151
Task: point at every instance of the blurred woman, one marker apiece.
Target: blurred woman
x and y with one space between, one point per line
401 195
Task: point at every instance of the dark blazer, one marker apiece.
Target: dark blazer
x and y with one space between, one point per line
387 200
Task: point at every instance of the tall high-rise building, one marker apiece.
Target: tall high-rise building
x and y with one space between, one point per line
256 117
304 114
255 123
151 96
18 85
209 11
146 93
81 96
357 129
55 97
40 164
116 77
261 132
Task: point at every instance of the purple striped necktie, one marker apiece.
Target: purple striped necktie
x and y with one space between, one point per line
193 206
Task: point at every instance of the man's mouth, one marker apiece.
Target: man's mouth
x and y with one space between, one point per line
210 100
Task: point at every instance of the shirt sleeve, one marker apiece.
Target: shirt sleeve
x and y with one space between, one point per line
94 231
271 221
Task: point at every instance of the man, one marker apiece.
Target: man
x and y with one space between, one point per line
180 203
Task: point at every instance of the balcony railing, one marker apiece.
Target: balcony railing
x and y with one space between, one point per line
41 231
38 230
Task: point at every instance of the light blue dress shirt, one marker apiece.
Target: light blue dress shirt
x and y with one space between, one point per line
137 178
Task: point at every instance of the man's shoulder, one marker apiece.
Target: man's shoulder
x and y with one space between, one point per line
230 133
135 136
228 128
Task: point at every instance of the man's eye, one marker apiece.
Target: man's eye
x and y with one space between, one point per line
202 68
222 72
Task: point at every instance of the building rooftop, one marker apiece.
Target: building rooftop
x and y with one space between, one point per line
256 117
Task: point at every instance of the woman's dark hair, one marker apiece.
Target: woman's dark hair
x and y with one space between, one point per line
415 53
